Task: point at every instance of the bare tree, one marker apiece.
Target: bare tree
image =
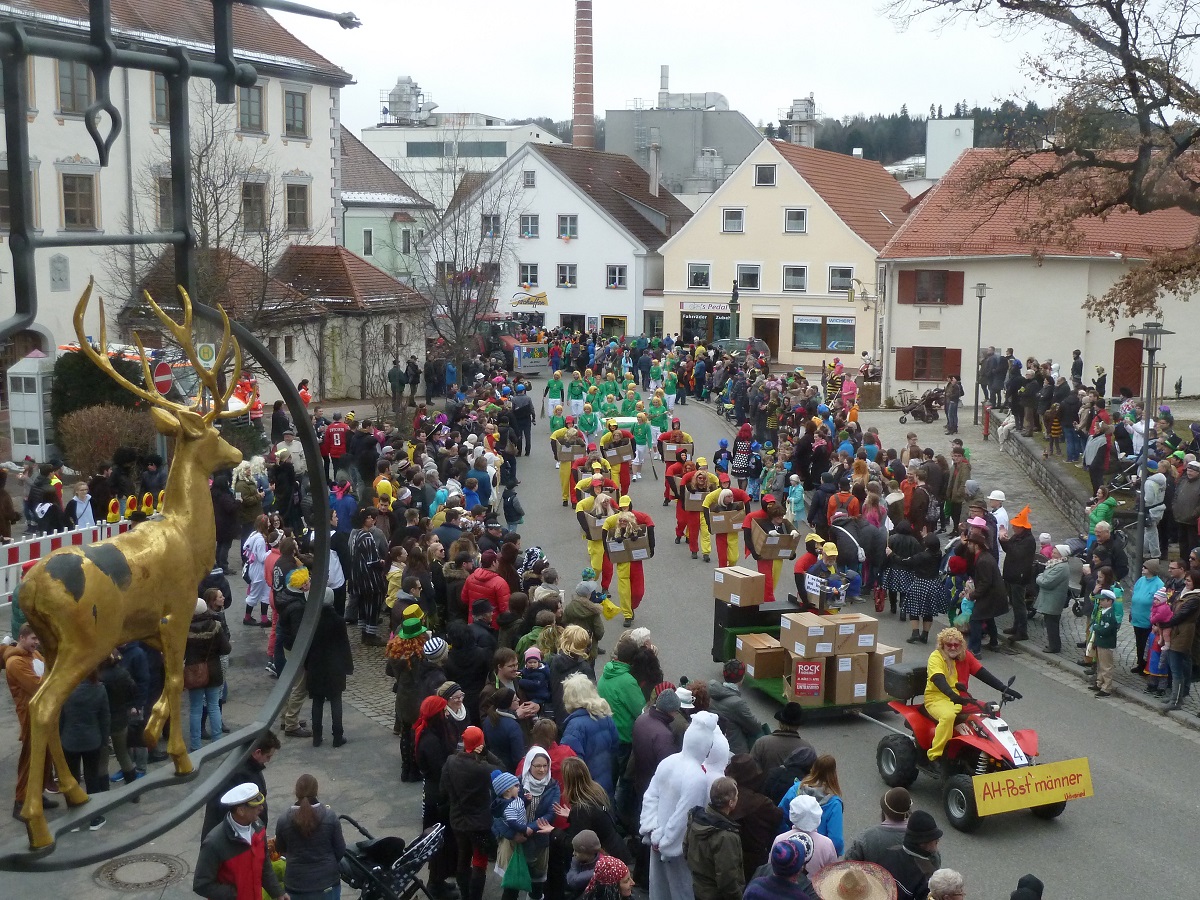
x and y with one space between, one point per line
1127 128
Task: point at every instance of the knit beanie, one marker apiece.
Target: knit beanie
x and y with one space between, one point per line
435 649
502 781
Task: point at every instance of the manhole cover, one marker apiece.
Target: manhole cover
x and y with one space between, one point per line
141 872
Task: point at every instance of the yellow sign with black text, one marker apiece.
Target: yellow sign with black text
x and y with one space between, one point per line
999 792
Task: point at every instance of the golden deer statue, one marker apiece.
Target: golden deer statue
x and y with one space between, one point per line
83 602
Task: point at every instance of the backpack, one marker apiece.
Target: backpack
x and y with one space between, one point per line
842 505
245 564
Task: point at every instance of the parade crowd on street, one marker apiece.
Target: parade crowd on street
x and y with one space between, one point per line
551 747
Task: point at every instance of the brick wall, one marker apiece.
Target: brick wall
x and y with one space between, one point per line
1065 493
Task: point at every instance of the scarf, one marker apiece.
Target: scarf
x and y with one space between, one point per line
534 787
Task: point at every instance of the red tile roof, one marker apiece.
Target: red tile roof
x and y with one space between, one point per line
619 186
255 32
336 277
860 191
237 284
365 173
956 218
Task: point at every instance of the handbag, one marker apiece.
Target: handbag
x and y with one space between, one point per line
195 675
516 874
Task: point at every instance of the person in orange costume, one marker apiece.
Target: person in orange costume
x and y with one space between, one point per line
770 516
618 435
722 500
631 580
700 481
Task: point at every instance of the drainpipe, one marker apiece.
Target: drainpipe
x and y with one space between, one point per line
132 252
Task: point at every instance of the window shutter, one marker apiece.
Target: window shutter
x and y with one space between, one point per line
952 363
906 288
904 363
954 288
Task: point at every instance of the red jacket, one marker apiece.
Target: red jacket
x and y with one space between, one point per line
484 584
335 440
230 869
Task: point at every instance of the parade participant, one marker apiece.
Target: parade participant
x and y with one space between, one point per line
826 567
596 504
618 437
943 698
631 581
641 440
700 481
567 436
674 470
554 394
583 469
724 500
674 436
771 517
576 391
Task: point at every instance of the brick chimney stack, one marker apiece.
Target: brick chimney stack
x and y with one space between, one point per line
583 127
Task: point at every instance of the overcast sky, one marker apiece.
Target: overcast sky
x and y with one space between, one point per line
514 59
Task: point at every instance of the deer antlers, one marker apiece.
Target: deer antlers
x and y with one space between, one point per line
182 332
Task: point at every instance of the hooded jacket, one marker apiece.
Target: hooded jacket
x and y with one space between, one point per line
587 615
679 784
714 854
620 689
740 726
484 584
778 781
595 741
653 741
831 811
228 868
757 818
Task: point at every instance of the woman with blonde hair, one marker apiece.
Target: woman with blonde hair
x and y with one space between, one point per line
310 836
589 730
574 657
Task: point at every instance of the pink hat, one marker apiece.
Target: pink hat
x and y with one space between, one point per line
977 522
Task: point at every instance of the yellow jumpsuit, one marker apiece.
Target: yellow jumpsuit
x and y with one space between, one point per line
938 704
562 437
629 580
697 485
733 547
595 549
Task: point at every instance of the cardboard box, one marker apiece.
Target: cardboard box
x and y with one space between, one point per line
884 657
773 545
763 655
846 679
629 550
854 633
669 451
739 586
693 501
595 527
568 453
617 454
726 521
807 635
805 681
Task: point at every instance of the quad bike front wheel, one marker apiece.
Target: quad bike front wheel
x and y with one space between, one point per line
1049 810
958 801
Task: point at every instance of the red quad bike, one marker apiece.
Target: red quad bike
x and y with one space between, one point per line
982 742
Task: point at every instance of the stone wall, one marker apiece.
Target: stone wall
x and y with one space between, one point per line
1064 492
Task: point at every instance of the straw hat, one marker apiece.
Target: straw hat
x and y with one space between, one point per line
853 880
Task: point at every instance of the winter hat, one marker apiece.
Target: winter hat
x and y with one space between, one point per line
685 698
534 652
734 671
804 812
1151 567
489 558
201 607
1029 887
1161 594
1064 550
482 607
922 828
667 702
472 738
1044 538
957 565
502 781
787 858
586 842
435 649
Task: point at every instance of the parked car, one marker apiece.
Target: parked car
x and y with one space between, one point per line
738 347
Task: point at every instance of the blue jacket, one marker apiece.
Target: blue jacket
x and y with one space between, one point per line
505 739
1142 599
772 887
502 828
345 507
535 684
595 742
831 813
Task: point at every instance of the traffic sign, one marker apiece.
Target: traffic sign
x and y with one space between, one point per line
206 353
163 378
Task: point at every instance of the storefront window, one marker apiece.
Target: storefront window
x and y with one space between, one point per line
705 327
806 333
839 334
823 333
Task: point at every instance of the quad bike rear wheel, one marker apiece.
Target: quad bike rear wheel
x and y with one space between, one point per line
896 759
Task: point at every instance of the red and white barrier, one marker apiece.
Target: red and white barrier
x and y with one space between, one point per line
14 556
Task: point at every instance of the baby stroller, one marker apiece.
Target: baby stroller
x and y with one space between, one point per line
386 868
925 408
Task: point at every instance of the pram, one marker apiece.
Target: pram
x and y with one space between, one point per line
925 408
386 868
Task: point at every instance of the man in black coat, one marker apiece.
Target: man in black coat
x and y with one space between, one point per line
326 667
412 371
1020 547
250 770
913 861
990 596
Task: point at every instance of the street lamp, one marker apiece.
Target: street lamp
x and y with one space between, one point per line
1152 334
733 312
981 290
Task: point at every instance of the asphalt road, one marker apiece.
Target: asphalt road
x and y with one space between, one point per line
1135 837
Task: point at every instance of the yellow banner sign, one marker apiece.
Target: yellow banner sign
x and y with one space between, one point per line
999 792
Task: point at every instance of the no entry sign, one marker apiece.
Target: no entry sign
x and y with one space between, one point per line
162 378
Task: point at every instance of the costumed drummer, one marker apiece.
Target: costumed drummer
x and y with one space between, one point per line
725 500
599 505
631 581
567 436
949 670
701 481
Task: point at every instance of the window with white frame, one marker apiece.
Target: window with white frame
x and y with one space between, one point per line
567 275
733 220
698 276
162 100
298 218
749 277
368 242
617 276
79 202
529 226
254 205
795 221
74 86
529 274
406 242
295 114
289 348
6 199
445 270
250 108
489 225
568 226
795 278
764 175
529 178
841 279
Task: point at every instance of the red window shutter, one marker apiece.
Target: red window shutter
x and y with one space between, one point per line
906 288
904 363
954 288
952 363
